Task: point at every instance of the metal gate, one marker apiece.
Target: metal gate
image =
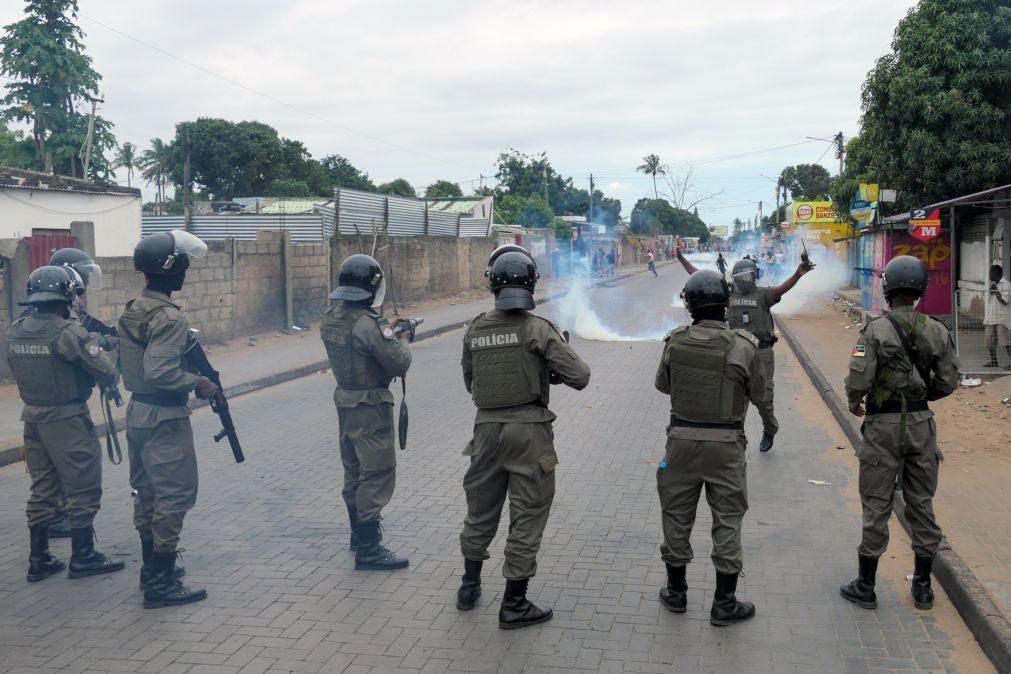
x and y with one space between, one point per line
41 247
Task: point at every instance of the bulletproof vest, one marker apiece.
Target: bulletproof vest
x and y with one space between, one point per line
505 372
748 312
133 327
700 390
354 371
44 378
897 377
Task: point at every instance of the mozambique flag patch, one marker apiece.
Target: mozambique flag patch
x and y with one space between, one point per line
858 351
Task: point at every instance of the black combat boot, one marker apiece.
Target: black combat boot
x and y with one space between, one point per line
923 596
517 611
861 590
353 520
726 609
146 550
60 526
85 560
163 588
41 564
371 554
470 588
766 443
675 595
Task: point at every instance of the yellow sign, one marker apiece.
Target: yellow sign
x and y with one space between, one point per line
869 192
812 212
719 230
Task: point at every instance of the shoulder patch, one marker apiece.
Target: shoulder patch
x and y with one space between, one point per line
750 338
93 349
859 351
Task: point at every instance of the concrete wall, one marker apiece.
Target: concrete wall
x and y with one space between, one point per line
117 217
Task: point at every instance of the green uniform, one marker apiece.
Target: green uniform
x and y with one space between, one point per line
364 358
900 436
507 360
163 461
753 312
711 373
56 364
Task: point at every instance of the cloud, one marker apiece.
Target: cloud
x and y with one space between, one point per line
597 84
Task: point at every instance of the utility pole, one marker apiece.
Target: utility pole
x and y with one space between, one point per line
840 151
91 130
590 216
544 175
187 215
759 214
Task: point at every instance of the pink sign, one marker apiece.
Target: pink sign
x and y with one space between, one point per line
936 254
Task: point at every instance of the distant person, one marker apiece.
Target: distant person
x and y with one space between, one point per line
997 317
556 263
721 264
650 263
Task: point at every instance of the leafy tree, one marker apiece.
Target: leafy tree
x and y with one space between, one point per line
522 175
608 212
299 166
806 182
154 168
532 211
935 119
657 216
561 228
341 173
857 171
16 150
288 187
51 77
443 189
651 166
398 188
126 157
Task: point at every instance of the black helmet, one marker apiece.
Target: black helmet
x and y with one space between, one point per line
167 253
50 284
744 274
904 272
360 278
81 262
705 288
513 277
507 248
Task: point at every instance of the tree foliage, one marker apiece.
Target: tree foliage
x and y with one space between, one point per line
342 173
50 78
443 189
397 188
530 211
657 216
16 149
935 119
806 182
126 157
523 175
651 166
153 169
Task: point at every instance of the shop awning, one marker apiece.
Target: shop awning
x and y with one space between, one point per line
976 199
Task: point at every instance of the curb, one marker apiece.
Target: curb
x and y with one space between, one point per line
9 455
972 601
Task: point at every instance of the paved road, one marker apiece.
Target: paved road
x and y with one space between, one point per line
268 539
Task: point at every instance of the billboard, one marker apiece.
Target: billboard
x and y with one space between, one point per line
817 212
720 230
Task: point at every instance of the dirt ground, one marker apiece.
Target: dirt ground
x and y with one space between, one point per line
974 434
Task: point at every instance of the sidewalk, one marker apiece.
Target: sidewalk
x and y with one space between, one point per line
974 433
254 362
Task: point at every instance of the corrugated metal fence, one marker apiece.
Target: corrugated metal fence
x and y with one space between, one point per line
352 212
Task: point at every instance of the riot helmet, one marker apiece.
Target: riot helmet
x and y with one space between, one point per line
80 262
705 288
167 253
50 284
744 274
513 276
507 248
360 279
904 272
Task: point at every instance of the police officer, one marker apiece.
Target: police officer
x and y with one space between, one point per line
56 364
163 462
710 372
510 357
751 309
87 273
365 355
899 363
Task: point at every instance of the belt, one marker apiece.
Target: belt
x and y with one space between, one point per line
895 407
767 342
162 399
684 423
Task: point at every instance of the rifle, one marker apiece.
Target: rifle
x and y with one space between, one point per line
197 359
112 447
408 325
92 324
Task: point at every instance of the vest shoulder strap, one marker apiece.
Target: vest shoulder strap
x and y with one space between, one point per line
746 336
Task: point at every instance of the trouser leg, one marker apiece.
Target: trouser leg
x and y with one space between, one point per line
170 461
370 432
143 501
349 460
878 470
485 485
919 484
43 499
679 486
531 491
767 409
77 456
727 494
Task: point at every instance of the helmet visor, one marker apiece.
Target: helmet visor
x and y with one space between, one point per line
90 273
377 301
188 244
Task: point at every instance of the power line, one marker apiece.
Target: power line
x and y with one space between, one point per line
267 96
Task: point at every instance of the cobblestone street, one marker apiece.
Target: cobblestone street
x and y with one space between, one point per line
268 539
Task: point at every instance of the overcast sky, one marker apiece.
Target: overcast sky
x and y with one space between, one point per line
430 90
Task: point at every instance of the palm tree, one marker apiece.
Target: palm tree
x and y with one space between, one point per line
153 163
651 166
126 157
